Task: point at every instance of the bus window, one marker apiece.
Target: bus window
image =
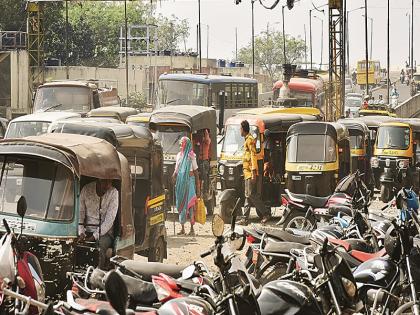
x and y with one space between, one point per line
228 91
247 95
234 95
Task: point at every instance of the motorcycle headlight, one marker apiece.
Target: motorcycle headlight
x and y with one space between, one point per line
349 287
403 163
221 169
374 162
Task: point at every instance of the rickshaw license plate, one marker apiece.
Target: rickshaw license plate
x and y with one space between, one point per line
156 218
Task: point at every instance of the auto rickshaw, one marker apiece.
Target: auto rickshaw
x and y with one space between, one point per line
118 112
49 172
170 124
141 119
264 128
318 155
377 110
396 156
360 149
146 162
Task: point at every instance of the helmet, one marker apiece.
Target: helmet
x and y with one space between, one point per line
407 200
393 243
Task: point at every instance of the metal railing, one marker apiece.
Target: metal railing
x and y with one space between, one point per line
10 40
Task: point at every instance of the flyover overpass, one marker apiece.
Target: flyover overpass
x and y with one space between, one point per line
409 108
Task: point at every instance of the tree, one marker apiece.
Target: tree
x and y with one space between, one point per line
172 32
269 51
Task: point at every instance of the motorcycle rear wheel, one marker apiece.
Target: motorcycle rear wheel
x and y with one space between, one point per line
297 220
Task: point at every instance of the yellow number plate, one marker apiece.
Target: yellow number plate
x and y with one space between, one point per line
157 218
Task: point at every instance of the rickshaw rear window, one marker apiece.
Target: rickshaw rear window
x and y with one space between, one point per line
311 148
392 137
170 137
356 141
47 186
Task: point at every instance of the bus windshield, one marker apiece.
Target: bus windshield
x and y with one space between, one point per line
170 137
47 186
390 137
311 148
233 143
63 98
183 93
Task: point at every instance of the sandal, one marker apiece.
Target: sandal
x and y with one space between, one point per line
192 233
182 232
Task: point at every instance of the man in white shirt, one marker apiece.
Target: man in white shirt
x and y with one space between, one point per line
98 209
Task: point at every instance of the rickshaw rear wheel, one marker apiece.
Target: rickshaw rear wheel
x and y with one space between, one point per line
157 252
385 193
297 220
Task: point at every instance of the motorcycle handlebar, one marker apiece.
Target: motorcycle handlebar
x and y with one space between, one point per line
206 253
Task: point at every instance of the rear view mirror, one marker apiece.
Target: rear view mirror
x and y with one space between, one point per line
188 272
217 225
116 292
21 206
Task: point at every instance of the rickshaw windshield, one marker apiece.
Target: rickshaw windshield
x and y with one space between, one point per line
47 186
356 141
391 137
233 142
170 136
26 128
311 148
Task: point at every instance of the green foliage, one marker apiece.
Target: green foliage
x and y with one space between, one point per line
136 100
269 51
172 32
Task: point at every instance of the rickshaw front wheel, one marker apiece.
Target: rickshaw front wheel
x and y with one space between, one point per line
157 252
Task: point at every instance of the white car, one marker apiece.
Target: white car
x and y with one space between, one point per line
35 124
352 106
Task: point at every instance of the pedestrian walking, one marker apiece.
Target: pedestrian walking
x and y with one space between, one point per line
250 171
187 186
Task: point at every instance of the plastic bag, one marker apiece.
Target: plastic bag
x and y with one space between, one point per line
7 264
200 212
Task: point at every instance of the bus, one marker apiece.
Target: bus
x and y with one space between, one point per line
374 73
231 93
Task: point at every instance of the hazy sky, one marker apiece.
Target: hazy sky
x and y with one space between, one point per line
223 16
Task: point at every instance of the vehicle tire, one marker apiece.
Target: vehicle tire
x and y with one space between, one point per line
385 193
297 220
157 252
210 204
405 309
226 209
273 273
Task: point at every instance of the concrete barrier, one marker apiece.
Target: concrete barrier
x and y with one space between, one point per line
409 108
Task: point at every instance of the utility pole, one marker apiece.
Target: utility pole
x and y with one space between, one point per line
322 38
253 39
126 50
236 44
371 37
366 49
387 54
306 48
208 32
409 38
284 37
199 35
310 35
412 38
67 40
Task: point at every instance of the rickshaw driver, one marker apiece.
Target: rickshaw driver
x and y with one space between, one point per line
98 209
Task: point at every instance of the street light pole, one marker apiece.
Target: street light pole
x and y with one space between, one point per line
284 37
253 39
310 35
412 37
387 54
371 36
348 38
306 48
199 35
366 49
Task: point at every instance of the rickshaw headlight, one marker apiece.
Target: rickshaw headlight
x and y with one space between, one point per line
374 162
349 287
221 169
403 163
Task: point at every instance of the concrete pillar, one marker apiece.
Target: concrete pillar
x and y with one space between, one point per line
19 76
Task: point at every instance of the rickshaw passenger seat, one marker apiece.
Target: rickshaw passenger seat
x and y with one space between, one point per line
148 269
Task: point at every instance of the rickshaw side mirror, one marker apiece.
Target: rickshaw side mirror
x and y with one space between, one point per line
116 292
21 206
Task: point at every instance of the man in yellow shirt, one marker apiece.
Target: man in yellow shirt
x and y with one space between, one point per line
250 169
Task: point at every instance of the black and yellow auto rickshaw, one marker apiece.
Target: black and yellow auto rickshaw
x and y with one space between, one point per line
360 149
50 171
396 155
377 110
141 119
170 124
146 163
117 112
318 155
269 132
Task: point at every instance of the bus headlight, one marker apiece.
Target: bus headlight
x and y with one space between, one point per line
221 169
374 162
403 163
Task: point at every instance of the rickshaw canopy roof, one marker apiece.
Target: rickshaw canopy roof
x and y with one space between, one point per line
414 123
113 111
195 117
119 135
86 156
374 121
354 124
141 117
336 130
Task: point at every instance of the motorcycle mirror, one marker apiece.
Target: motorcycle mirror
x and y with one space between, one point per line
116 292
188 272
21 206
217 225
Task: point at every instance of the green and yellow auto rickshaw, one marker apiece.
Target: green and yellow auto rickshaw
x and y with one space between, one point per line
396 156
117 112
50 171
141 119
269 130
170 124
318 155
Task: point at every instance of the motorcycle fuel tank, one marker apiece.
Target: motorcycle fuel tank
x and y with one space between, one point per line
186 306
379 272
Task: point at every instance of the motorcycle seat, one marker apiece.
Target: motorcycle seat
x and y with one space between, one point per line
334 210
149 269
286 236
282 247
314 202
362 256
140 292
